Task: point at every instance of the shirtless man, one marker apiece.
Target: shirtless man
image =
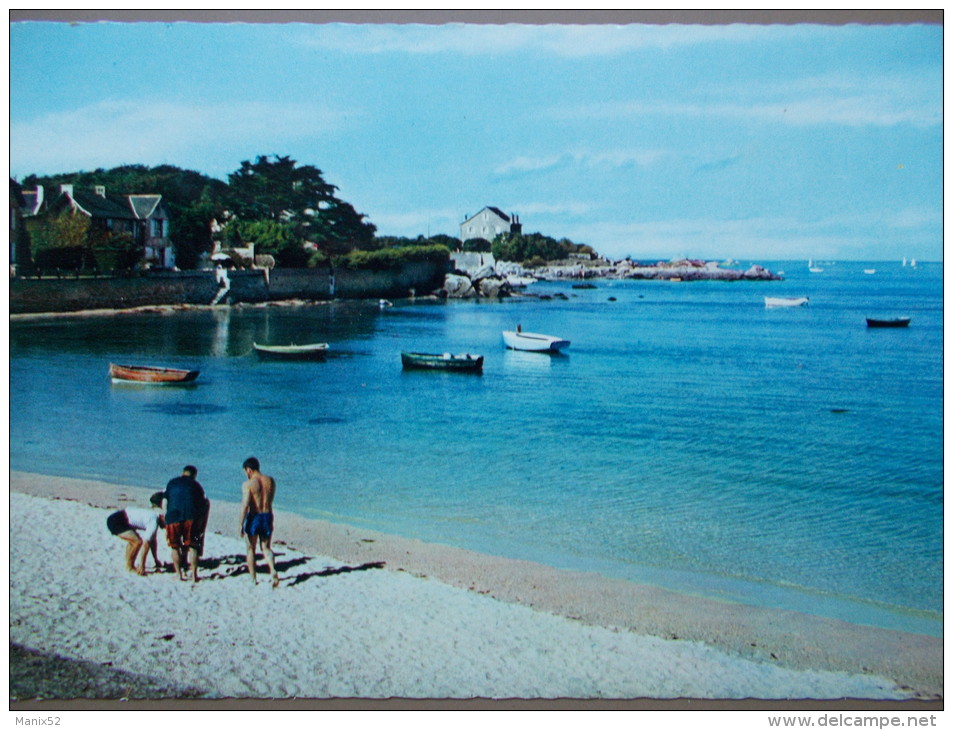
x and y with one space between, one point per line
257 521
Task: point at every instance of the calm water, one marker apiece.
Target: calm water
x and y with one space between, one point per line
690 437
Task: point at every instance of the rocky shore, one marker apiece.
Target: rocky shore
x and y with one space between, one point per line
505 279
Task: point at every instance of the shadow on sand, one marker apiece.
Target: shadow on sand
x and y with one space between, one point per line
234 565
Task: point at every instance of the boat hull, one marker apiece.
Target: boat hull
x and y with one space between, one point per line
533 342
291 352
772 302
453 363
884 323
151 375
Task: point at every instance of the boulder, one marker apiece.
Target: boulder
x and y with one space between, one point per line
458 287
493 287
484 272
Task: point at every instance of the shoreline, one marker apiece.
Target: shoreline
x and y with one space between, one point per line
777 638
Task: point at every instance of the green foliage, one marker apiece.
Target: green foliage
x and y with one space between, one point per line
480 245
530 247
392 258
270 237
69 241
279 190
69 258
193 199
22 252
114 251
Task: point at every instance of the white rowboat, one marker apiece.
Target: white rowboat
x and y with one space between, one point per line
533 342
292 352
785 301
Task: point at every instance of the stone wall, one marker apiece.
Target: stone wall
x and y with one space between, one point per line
201 287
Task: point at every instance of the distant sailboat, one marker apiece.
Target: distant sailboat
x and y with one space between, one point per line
913 263
904 260
812 268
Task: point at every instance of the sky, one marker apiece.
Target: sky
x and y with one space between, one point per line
743 141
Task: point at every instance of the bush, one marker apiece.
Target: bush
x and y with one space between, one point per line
72 258
393 258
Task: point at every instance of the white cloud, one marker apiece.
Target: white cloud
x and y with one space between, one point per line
912 218
112 133
559 40
854 102
610 158
753 239
417 222
568 208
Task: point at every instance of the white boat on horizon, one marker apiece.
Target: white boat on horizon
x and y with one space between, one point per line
785 301
870 271
812 268
533 341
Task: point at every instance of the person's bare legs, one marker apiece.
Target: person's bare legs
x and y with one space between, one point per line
178 562
270 557
194 562
250 559
132 548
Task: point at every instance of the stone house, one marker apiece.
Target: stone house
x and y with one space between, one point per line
144 216
488 224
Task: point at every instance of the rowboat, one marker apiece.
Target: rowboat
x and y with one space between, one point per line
151 375
895 322
533 342
292 352
465 363
785 301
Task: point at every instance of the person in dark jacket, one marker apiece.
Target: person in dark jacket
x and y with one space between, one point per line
185 518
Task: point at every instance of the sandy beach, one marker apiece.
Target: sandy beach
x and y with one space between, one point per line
361 614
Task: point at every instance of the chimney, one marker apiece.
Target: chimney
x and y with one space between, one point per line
100 190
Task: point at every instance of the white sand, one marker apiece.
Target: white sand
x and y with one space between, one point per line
346 633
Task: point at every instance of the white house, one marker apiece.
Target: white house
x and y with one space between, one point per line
489 223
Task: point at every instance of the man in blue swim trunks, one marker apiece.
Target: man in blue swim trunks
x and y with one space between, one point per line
257 520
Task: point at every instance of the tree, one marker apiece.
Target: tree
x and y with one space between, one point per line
269 237
281 191
519 247
193 199
477 244
61 241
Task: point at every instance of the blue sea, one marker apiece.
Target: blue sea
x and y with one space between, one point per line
689 437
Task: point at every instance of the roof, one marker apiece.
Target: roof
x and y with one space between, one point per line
124 207
99 207
144 205
492 209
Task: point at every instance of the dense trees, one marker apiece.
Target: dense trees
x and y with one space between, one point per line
534 248
272 202
287 210
298 197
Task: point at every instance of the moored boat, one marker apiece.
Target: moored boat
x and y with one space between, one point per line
533 341
785 301
151 375
292 352
894 322
465 363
